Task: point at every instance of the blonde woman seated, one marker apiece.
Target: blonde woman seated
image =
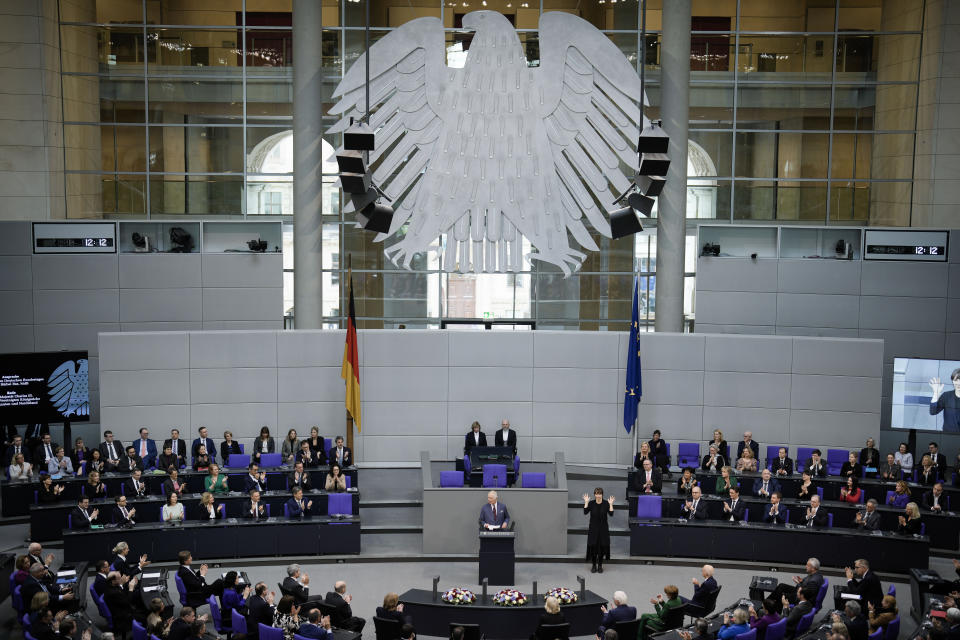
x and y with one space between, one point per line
909 523
173 510
208 509
19 470
336 481
747 462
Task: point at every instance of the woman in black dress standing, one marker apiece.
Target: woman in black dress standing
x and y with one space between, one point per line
598 535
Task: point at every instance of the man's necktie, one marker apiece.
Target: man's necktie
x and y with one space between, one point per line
764 487
494 514
143 448
49 452
113 454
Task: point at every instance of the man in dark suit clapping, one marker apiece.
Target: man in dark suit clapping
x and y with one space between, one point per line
773 513
782 465
733 509
620 612
259 610
695 508
343 617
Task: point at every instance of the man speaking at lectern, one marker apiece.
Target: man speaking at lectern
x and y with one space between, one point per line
494 515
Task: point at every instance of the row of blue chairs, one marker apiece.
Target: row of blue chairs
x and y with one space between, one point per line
495 475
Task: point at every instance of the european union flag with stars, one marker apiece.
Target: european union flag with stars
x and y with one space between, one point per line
631 395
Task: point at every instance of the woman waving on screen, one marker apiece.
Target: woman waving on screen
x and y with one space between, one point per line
948 403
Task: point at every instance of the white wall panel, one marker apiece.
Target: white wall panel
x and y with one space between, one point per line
329 417
313 348
15 338
127 327
839 357
402 348
577 450
125 422
823 277
833 429
219 386
736 308
491 348
160 271
741 329
149 387
769 426
747 354
460 415
134 351
818 332
662 386
242 325
729 389
835 393
390 448
576 385
246 270
907 344
59 272
905 314
674 420
16 239
244 419
915 279
405 383
227 349
305 384
16 307
57 337
233 304
76 306
574 419
731 274
165 305
583 350
404 419
492 384
814 310
677 351
15 273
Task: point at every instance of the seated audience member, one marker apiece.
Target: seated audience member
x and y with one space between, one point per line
939 460
156 625
474 438
204 440
297 584
774 513
904 458
40 580
95 462
208 509
853 619
909 522
702 628
851 491
649 479
121 513
695 508
335 481
713 461
805 601
812 580
21 569
79 454
869 518
215 482
733 509
263 444
306 457
869 456
781 465
816 466
733 624
725 481
168 458
130 461
290 447
864 583
620 612
122 562
816 515
299 478
657 621
770 615
177 446
551 615
852 467
259 609
721 444
658 451
890 470
765 485
146 448
42 622
317 446
807 486
48 492
928 473
287 617
59 464
172 484
16 446
182 627
900 496
643 454
44 452
342 616
838 631
255 479
317 626
135 487
686 482
748 442
882 615
195 581
19 468
253 507
392 609
229 447
234 596
934 500
173 510
297 507
747 462
82 516
202 461
119 599
703 590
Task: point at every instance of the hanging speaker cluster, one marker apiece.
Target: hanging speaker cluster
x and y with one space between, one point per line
356 179
648 184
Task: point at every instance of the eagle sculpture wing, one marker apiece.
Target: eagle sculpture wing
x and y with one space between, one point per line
68 388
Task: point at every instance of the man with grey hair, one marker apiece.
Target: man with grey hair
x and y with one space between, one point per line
35 583
854 620
867 520
813 580
297 584
494 515
620 611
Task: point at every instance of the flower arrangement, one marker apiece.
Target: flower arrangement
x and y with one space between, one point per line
509 598
458 596
564 595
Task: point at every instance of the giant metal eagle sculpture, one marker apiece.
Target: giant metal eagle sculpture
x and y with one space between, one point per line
69 389
498 150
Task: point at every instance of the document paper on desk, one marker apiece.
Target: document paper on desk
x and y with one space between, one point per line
850 596
67 574
152 574
155 587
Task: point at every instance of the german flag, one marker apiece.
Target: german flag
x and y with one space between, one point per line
350 371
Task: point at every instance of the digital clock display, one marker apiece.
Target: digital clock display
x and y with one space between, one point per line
905 250
65 243
926 245
74 237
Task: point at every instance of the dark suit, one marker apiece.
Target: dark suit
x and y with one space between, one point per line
40 454
698 511
703 592
874 456
819 518
130 488
855 469
511 440
940 463
151 456
928 500
12 451
345 459
225 450
314 631
126 567
870 522
772 487
164 461
469 442
297 509
128 464
736 512
858 627
623 613
31 587
197 588
208 443
248 508
80 520
100 583
105 451
299 592
342 615
656 480
258 611
754 446
250 483
42 631
179 449
778 518
801 609
868 588
119 517
179 630
818 470
117 599
777 464
305 483
501 517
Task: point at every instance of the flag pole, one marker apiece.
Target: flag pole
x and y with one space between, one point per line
636 439
349 426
